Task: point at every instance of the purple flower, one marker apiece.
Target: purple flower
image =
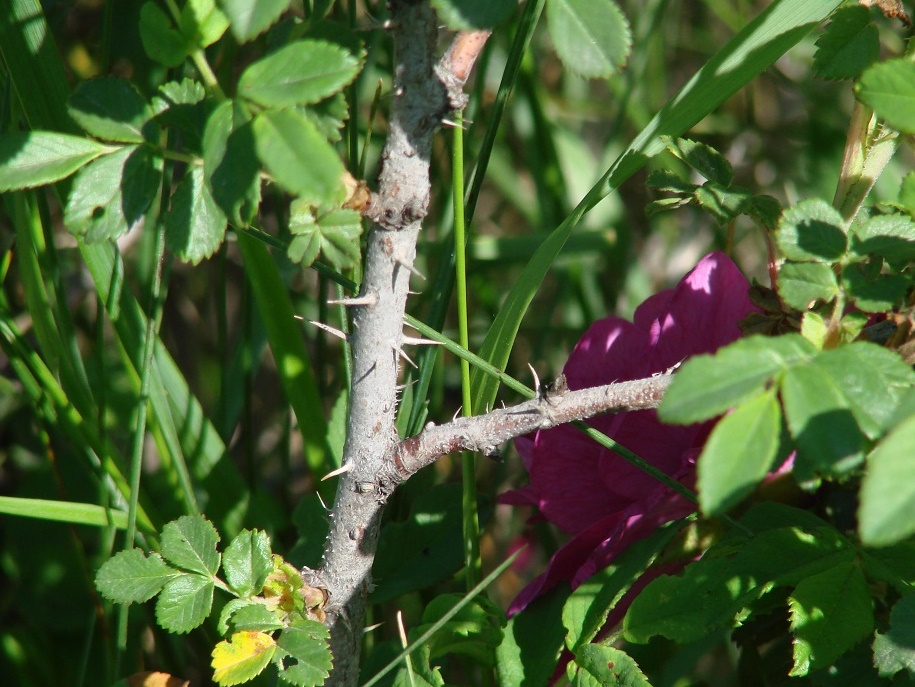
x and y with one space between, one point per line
588 491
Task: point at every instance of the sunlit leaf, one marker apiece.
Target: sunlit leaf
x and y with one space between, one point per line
592 37
34 158
242 657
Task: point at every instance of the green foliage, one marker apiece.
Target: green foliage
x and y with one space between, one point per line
849 44
592 37
473 14
274 617
604 666
888 88
29 159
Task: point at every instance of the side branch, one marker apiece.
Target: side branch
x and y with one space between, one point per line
485 433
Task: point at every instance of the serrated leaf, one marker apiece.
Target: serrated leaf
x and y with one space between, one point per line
585 611
242 657
202 23
194 225
849 44
895 649
890 236
829 441
129 576
764 209
230 163
889 89
298 158
738 454
190 543
183 107
473 14
184 603
879 293
812 230
305 659
301 73
475 630
254 617
110 108
34 158
591 37
724 204
712 592
667 181
830 612
709 385
888 490
247 562
873 380
606 666
329 116
533 640
800 284
248 19
702 158
161 40
111 194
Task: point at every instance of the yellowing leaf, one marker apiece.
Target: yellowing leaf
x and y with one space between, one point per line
242 657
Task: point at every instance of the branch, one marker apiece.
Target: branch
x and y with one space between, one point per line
424 92
485 433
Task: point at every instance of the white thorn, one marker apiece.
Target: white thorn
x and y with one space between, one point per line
454 125
372 627
414 341
343 469
401 631
370 298
412 269
536 379
330 330
322 501
456 413
403 355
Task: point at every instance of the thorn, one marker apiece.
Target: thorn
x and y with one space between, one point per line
403 355
372 627
454 125
370 298
330 330
400 387
413 293
322 501
401 631
343 469
412 269
536 379
414 341
457 413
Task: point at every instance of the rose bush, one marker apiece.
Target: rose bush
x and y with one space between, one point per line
588 491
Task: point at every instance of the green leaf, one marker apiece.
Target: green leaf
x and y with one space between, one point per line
473 14
247 562
297 156
129 576
249 19
183 107
184 603
849 44
829 441
242 657
304 658
161 40
329 116
709 385
812 230
907 193
194 225
830 613
301 73
417 671
888 490
604 666
230 163
800 284
873 380
592 37
110 108
251 616
335 235
890 236
895 649
781 25
533 639
202 23
425 549
190 543
738 454
111 194
34 158
585 611
474 631
702 158
713 592
879 293
889 89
